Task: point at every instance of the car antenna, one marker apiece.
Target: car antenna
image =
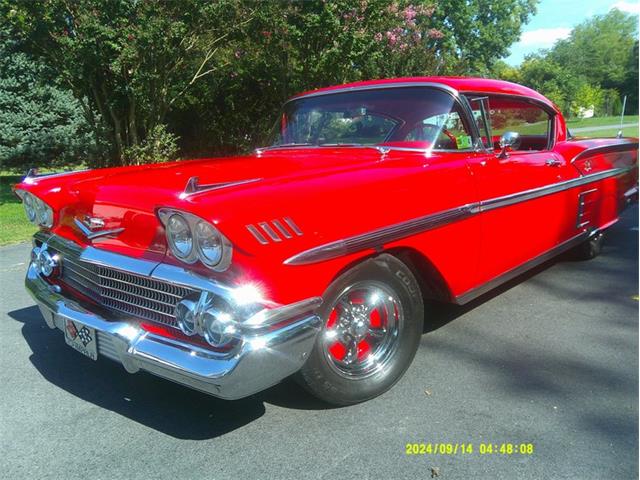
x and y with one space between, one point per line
624 104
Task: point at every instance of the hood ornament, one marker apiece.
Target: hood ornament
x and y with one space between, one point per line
92 227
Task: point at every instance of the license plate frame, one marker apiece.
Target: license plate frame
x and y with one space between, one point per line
81 338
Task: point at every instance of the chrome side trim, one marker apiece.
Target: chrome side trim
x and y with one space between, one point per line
377 238
619 147
533 193
511 274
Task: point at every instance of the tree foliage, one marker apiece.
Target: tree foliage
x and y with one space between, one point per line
215 73
41 123
596 66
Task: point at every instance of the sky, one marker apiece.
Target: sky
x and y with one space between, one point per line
556 18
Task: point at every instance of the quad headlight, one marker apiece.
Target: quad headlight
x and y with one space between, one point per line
207 316
38 212
180 237
191 238
209 242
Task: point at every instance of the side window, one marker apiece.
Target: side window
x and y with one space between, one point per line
445 131
512 115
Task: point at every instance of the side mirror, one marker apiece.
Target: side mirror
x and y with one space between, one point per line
508 140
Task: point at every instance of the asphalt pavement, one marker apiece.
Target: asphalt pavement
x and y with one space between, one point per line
551 360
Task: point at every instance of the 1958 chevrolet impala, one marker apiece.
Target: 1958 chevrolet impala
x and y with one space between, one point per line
314 256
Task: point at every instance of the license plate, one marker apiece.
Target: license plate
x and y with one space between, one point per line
82 338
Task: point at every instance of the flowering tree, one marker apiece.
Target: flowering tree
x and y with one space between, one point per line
215 73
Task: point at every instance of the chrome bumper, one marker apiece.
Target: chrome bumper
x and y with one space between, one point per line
259 361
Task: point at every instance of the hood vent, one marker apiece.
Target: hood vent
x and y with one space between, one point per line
275 230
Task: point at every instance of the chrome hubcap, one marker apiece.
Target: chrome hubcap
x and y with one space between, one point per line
361 333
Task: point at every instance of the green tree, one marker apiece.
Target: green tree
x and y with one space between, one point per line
41 123
128 61
599 49
479 32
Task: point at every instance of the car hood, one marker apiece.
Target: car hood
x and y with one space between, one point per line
127 198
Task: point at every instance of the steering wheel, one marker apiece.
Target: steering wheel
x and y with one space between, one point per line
437 130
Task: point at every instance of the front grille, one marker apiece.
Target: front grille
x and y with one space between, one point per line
124 292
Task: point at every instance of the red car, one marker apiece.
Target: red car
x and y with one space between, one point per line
315 255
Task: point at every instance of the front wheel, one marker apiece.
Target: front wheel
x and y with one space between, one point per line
373 317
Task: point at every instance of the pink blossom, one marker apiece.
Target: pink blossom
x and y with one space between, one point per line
392 38
435 33
409 13
378 37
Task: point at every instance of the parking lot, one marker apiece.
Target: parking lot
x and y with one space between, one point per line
550 359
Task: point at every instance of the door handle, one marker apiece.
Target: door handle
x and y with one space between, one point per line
552 162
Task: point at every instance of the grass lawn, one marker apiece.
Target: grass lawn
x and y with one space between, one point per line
14 226
598 121
626 132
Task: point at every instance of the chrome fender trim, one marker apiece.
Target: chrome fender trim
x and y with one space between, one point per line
376 239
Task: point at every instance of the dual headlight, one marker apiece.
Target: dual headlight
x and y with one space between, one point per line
38 212
191 238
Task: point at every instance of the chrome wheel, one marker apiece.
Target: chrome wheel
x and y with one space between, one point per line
361 332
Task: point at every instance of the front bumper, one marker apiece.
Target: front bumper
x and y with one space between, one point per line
261 359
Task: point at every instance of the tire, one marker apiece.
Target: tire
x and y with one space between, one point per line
385 288
590 248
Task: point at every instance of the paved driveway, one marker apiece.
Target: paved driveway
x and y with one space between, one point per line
551 359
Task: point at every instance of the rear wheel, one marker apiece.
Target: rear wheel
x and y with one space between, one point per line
373 317
590 248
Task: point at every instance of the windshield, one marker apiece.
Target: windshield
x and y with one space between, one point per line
418 117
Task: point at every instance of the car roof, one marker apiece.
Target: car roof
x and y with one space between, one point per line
460 84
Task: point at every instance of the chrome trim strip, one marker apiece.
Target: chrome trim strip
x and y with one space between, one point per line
378 86
499 202
631 192
32 174
193 187
511 274
603 149
377 238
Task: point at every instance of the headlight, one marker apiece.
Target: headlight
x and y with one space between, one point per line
38 212
191 238
29 207
219 327
186 315
209 244
180 237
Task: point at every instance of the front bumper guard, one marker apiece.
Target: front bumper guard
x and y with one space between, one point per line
260 361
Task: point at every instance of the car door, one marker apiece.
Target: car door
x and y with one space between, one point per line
517 222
